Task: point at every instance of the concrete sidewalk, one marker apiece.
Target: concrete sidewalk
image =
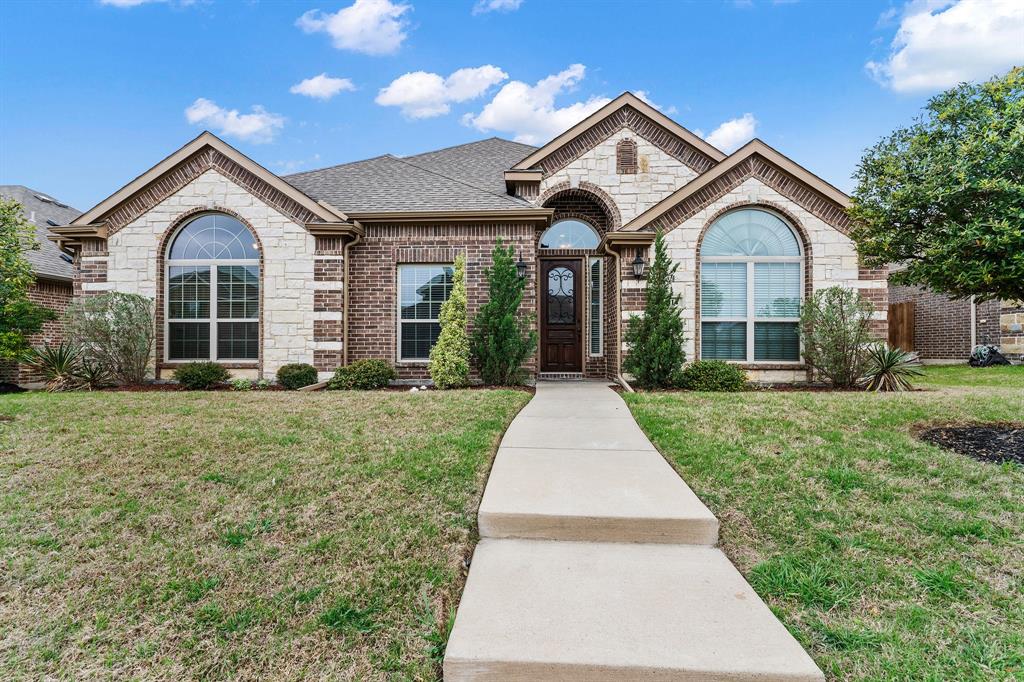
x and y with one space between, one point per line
597 562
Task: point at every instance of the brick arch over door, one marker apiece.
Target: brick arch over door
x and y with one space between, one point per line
588 201
161 284
771 207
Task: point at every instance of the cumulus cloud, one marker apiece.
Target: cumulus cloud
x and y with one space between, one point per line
940 43
369 26
529 113
259 126
423 95
322 86
484 6
734 133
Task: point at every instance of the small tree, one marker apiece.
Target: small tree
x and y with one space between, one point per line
502 340
116 330
656 354
835 326
449 358
945 196
19 317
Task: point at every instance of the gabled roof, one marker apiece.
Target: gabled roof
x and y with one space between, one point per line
480 164
207 140
40 208
626 99
753 149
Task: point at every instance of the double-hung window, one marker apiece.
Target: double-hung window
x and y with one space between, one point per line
750 289
422 289
213 282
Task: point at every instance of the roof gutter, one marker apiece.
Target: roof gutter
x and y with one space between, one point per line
533 215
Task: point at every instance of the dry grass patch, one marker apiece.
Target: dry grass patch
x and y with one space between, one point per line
257 535
887 557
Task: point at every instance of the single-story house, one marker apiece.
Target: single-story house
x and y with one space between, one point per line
255 270
53 270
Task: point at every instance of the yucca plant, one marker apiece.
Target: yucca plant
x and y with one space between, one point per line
890 369
92 374
58 364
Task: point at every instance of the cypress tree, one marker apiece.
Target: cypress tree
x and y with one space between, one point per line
502 339
449 358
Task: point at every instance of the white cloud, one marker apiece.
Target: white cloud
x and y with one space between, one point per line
734 133
322 86
642 94
259 126
368 26
423 95
940 44
529 112
484 6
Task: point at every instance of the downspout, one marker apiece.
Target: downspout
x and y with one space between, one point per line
344 298
618 324
974 324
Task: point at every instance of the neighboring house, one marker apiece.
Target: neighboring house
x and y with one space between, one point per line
53 270
941 329
353 261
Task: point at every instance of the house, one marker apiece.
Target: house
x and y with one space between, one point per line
53 270
329 266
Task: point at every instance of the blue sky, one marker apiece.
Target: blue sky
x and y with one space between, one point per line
94 93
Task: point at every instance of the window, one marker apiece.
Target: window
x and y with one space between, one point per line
596 305
422 290
213 291
570 234
750 289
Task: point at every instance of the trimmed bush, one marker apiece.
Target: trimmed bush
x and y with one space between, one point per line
449 358
835 329
502 339
296 375
363 375
201 376
713 375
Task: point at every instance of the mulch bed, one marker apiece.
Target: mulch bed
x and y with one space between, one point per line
996 443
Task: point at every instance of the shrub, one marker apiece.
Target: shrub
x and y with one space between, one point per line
713 375
890 369
502 340
201 376
834 326
115 330
363 375
656 354
58 364
249 384
92 374
449 358
296 375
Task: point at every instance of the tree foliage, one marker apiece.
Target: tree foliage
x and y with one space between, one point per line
502 339
449 358
945 195
656 339
835 328
19 317
115 330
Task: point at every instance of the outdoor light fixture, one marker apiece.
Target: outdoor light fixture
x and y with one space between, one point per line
639 265
521 268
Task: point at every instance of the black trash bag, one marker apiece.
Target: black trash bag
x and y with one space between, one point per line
987 356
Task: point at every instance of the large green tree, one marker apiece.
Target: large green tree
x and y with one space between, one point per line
944 197
19 317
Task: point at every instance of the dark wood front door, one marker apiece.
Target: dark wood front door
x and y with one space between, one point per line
561 328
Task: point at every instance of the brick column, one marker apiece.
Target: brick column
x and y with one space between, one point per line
328 303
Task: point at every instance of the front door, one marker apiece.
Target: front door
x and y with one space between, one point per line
561 328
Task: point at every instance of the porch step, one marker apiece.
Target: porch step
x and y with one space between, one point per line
560 376
539 610
594 495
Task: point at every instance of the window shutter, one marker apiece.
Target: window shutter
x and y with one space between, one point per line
595 306
626 157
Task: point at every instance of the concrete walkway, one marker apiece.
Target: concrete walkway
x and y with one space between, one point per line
597 562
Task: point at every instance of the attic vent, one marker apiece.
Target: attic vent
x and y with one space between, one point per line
60 204
52 223
625 157
43 197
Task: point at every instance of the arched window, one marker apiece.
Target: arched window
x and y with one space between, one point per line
213 286
751 279
570 234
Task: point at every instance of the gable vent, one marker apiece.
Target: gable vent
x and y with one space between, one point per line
625 157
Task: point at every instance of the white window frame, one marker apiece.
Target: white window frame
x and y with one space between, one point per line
214 318
751 317
553 225
600 307
398 311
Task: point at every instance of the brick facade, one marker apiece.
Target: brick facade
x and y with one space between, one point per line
48 293
942 326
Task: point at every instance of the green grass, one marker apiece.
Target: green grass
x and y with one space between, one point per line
230 535
888 558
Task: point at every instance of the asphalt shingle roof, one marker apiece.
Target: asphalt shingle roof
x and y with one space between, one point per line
467 177
46 260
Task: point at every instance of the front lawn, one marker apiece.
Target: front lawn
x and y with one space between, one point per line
887 557
242 535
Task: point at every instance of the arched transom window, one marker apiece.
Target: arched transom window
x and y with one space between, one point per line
570 234
213 280
751 279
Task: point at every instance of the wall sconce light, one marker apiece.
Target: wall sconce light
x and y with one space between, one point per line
639 265
521 268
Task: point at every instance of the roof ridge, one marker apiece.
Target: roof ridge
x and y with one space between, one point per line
461 182
465 144
339 165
